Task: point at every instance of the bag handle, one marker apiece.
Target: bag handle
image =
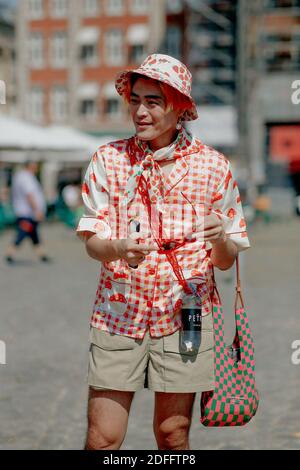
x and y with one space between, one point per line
238 288
238 295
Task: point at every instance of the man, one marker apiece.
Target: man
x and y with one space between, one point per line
294 170
186 190
30 207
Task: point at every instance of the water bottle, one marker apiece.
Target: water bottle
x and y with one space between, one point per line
234 353
191 317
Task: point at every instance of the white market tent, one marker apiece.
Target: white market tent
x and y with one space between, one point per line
57 147
20 140
76 145
216 126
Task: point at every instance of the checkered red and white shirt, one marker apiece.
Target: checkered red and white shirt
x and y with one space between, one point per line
129 301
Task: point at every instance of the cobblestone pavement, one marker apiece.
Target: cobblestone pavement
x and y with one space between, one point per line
45 312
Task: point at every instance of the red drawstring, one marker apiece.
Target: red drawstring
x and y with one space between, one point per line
142 188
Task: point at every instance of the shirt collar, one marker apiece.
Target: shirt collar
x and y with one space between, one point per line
179 147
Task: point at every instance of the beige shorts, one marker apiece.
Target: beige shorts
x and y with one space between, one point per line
122 363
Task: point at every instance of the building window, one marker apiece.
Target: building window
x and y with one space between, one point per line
114 7
88 93
137 39
136 53
88 40
282 3
174 41
90 7
113 108
139 7
36 50
114 47
59 104
88 54
59 50
280 51
36 104
88 108
280 60
35 9
112 103
59 8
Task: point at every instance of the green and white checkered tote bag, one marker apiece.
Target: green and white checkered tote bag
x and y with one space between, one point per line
234 400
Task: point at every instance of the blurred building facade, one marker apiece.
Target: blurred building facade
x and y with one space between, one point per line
173 42
69 53
7 60
211 50
203 35
269 64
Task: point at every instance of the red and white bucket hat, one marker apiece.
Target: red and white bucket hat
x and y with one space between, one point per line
166 69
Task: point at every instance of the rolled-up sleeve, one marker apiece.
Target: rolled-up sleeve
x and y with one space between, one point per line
227 204
95 196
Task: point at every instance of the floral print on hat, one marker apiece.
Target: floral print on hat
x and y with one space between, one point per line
168 70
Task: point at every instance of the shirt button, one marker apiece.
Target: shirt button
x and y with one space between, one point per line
151 271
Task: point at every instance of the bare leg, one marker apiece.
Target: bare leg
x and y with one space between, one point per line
11 251
40 250
172 420
108 413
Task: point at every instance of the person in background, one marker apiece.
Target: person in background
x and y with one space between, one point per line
29 205
71 195
294 171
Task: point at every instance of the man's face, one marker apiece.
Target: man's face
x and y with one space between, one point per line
149 112
33 167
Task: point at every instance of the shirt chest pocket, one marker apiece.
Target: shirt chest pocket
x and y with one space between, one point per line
115 293
115 297
183 212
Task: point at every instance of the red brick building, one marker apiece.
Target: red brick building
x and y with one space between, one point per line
69 53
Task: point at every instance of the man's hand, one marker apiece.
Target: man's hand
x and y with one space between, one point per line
39 216
131 251
210 229
224 250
